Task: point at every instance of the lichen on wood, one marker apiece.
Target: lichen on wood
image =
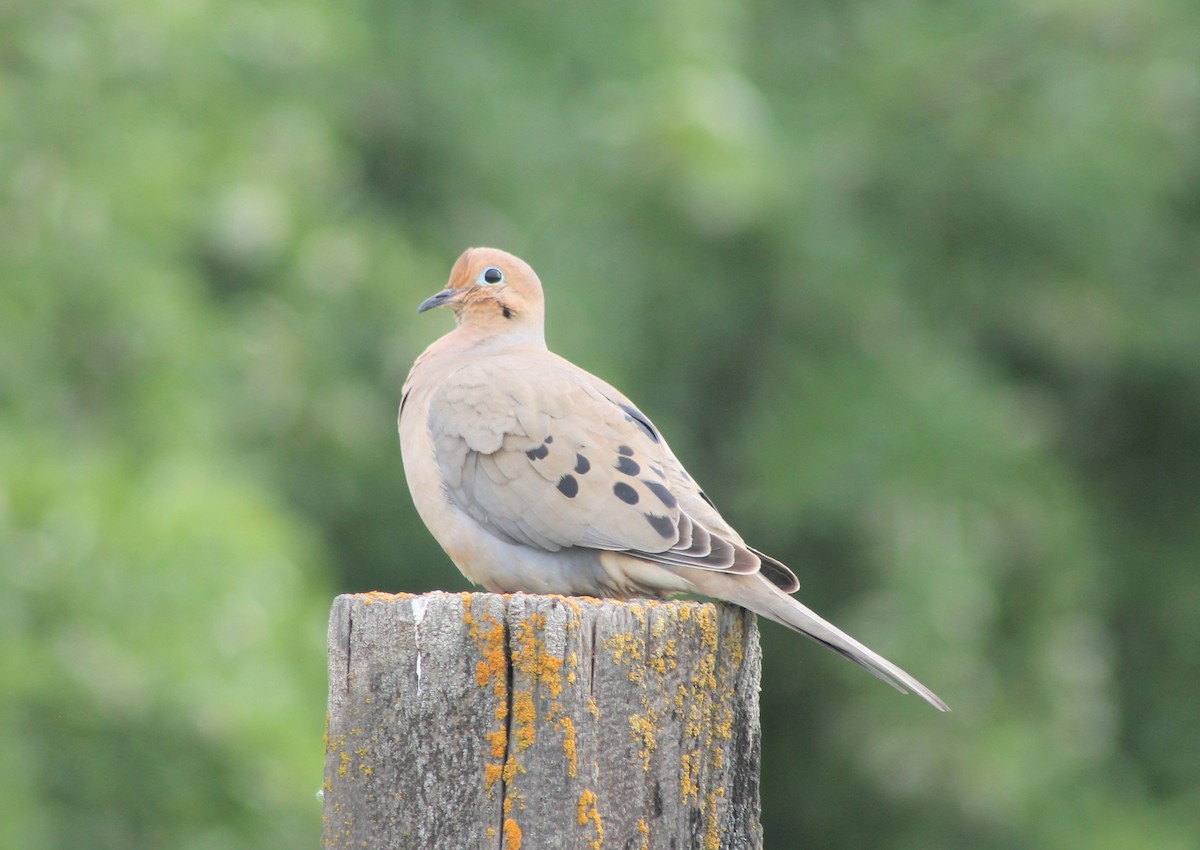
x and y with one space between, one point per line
499 721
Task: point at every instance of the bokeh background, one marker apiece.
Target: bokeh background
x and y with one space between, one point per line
911 286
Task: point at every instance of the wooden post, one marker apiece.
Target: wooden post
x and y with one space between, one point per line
479 720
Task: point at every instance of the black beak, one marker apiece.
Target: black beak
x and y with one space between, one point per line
443 297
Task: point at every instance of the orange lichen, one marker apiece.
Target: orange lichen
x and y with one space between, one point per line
512 834
491 671
586 811
693 724
567 725
723 728
706 616
572 602
499 742
530 655
689 776
712 832
737 645
492 668
626 648
645 831
525 715
373 596
659 627
511 768
706 672
662 658
491 772
642 731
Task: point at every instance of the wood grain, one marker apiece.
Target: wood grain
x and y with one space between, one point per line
480 720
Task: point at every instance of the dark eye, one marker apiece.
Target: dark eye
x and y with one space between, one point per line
491 276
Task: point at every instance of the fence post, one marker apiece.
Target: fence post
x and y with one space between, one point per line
479 720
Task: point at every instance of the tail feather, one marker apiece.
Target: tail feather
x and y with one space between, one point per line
763 598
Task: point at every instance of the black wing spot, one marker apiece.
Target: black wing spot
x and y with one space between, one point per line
537 453
581 464
628 466
661 524
568 486
704 496
657 471
625 493
625 450
639 419
664 495
549 439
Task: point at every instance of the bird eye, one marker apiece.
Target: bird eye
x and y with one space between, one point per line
491 276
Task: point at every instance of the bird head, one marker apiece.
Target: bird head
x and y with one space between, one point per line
492 291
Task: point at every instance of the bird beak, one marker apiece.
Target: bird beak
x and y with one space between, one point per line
443 297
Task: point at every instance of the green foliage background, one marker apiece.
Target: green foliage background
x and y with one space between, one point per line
911 286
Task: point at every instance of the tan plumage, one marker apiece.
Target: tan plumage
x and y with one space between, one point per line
537 476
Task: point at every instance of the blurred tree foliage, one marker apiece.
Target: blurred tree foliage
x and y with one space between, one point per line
911 285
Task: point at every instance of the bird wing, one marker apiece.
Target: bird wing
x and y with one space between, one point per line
541 453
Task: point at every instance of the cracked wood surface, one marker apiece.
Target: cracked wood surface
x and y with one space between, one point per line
478 720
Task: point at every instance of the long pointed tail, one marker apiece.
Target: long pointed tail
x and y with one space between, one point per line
761 597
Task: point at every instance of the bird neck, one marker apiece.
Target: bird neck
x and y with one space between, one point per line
490 339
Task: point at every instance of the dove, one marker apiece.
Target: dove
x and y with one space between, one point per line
536 476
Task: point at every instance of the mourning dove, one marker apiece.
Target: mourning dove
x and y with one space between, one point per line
535 475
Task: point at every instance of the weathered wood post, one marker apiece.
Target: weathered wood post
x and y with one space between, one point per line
479 720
